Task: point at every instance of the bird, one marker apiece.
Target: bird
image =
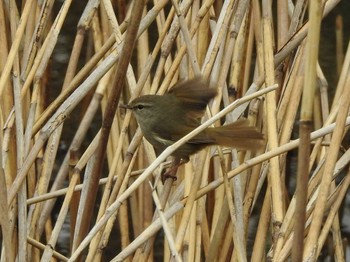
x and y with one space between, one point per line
164 119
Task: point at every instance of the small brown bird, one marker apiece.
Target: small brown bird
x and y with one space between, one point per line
167 118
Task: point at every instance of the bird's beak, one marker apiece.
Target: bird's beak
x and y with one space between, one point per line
125 106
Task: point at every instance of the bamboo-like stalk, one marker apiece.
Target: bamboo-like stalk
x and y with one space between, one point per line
274 175
305 128
15 45
235 210
339 42
4 218
22 195
166 228
249 53
282 23
41 247
188 209
294 88
48 252
261 234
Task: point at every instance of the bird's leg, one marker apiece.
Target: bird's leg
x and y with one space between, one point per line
171 171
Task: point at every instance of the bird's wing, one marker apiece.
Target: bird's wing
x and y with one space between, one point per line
194 94
192 97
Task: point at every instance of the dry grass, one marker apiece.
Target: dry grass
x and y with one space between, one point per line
109 185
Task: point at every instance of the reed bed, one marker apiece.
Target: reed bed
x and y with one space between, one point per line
102 199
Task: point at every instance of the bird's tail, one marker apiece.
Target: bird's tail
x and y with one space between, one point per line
238 135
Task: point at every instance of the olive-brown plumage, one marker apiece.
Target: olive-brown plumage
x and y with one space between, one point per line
167 118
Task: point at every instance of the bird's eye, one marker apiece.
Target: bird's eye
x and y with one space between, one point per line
140 107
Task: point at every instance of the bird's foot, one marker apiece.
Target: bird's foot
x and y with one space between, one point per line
171 171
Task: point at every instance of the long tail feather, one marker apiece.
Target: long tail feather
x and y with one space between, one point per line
238 134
